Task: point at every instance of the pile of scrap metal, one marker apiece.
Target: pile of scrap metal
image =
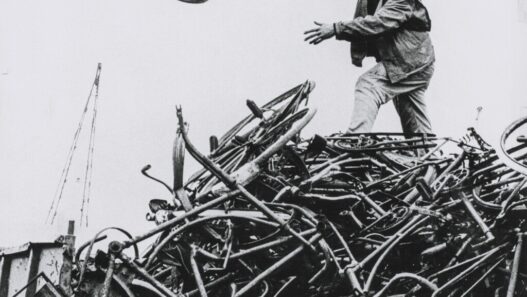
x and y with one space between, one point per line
275 214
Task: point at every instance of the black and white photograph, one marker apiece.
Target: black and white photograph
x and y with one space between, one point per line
263 148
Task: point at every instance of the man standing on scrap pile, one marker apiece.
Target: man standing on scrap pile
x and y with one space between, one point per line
395 32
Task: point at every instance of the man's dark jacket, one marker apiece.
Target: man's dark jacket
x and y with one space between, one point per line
395 32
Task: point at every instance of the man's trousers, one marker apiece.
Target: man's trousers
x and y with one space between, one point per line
374 89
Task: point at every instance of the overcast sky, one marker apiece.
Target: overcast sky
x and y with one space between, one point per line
209 58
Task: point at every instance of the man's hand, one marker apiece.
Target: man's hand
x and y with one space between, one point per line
319 34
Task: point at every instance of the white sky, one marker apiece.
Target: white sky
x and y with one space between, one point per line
209 58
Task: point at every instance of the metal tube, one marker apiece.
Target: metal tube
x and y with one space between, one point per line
467 271
105 291
475 215
148 278
482 277
451 167
435 149
374 205
459 252
267 211
202 159
397 237
175 232
274 267
450 268
197 274
515 267
255 249
175 221
269 244
213 283
410 225
420 279
294 130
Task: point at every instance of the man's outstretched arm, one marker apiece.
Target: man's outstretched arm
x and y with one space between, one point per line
389 17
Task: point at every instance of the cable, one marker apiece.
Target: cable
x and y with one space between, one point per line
52 212
89 164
